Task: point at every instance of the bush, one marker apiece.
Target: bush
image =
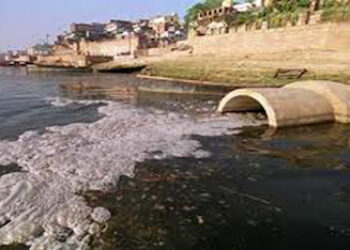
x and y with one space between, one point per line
278 15
336 14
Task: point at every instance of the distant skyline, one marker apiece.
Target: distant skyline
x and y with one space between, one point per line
26 22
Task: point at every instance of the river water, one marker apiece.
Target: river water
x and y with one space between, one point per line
162 169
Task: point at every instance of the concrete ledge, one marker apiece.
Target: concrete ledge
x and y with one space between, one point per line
200 83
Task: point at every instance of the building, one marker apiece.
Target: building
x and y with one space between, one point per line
266 3
89 31
39 50
119 38
115 27
217 14
116 47
164 25
142 26
214 21
243 7
23 60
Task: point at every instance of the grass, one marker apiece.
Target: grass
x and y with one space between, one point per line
336 14
251 72
214 73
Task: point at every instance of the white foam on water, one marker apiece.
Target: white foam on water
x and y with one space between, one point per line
41 207
62 101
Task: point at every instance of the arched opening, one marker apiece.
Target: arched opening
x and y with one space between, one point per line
283 107
238 101
245 103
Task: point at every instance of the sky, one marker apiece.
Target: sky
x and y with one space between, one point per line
26 22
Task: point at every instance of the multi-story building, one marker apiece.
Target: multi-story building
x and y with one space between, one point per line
213 21
119 37
115 27
89 31
162 25
243 7
39 50
216 14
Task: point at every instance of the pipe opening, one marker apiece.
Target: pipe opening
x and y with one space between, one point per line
254 103
246 104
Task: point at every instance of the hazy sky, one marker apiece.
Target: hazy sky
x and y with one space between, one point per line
25 22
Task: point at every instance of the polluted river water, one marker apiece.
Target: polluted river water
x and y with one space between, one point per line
96 162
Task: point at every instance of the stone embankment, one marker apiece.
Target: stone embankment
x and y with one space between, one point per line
299 103
253 57
126 65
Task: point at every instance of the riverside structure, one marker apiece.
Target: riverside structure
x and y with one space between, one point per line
299 103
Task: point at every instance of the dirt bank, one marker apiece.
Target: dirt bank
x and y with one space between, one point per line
252 69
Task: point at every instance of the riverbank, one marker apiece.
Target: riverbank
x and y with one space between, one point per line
248 58
122 66
252 57
252 69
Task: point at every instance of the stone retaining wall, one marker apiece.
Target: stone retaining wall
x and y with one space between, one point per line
329 36
71 60
111 48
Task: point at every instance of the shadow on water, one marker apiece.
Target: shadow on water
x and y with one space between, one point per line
144 94
14 247
9 169
259 190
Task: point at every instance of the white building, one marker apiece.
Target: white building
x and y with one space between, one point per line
173 18
243 7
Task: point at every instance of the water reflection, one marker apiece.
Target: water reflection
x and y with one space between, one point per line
14 247
286 191
129 89
90 90
24 105
322 146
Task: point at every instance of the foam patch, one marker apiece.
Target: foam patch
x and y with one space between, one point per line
41 207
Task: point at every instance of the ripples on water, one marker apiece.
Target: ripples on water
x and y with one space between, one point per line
24 98
260 189
41 205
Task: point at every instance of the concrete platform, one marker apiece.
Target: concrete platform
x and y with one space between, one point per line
300 103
